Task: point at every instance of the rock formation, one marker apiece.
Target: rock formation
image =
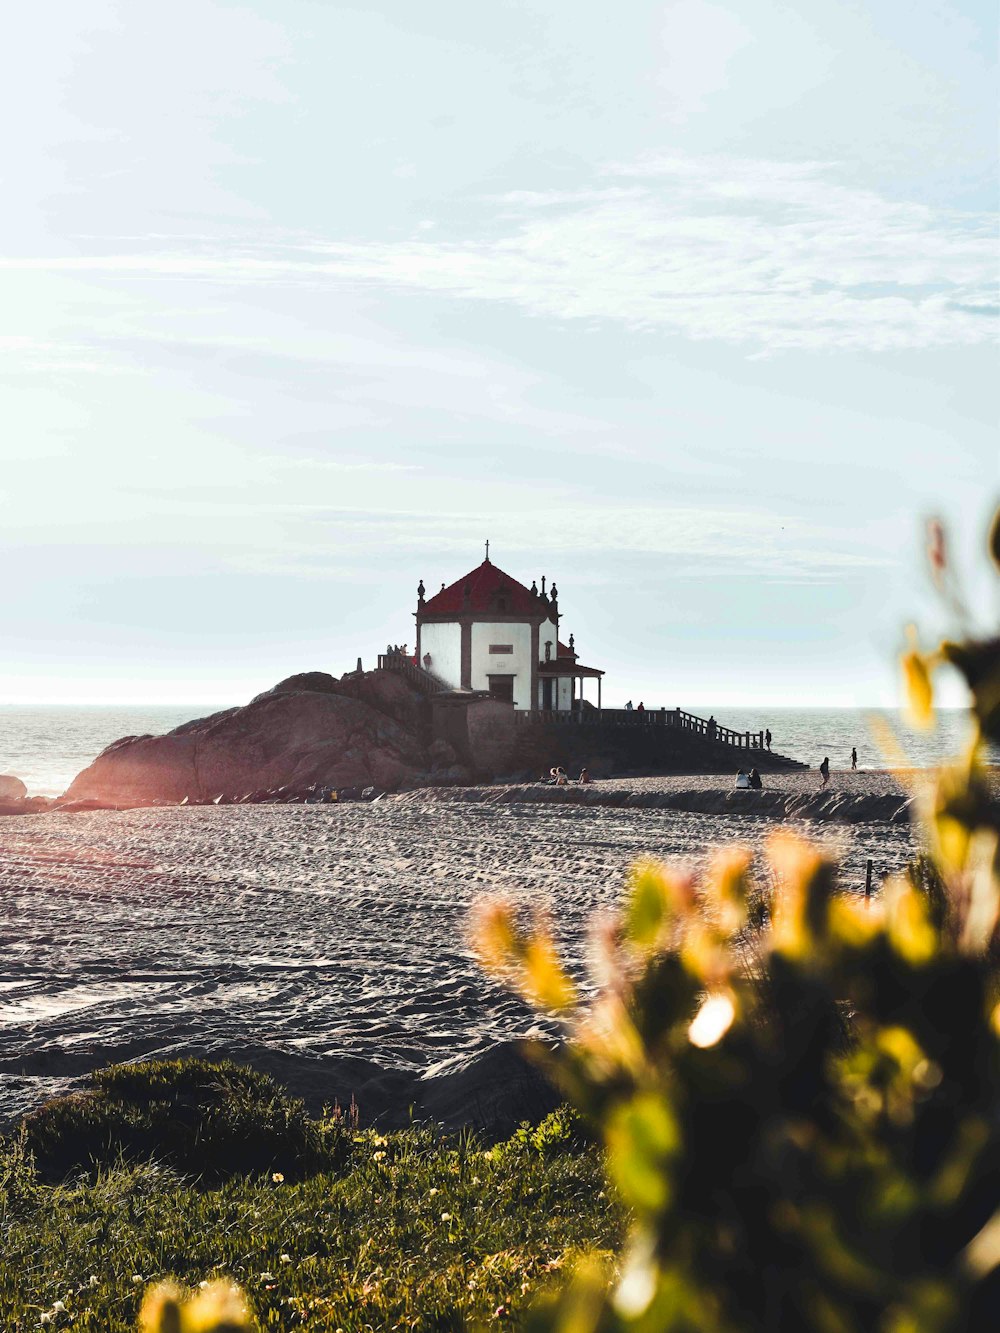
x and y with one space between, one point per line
11 789
310 729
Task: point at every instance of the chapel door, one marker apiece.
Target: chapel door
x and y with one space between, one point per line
502 688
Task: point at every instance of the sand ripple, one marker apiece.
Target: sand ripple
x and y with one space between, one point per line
307 932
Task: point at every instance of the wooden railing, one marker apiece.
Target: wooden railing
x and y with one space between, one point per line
648 717
416 675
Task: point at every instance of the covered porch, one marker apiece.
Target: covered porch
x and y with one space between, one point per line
561 686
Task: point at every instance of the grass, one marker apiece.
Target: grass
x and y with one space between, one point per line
409 1230
210 1119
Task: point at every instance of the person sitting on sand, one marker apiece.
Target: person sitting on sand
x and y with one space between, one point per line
824 770
742 781
559 776
755 781
584 775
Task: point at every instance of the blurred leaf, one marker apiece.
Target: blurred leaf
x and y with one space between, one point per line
909 926
495 935
993 542
982 1254
641 1136
917 667
650 900
979 663
545 981
727 886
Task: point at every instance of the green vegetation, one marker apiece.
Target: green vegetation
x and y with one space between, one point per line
409 1231
804 1119
210 1120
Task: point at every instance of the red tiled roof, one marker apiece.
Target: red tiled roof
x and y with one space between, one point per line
567 667
485 584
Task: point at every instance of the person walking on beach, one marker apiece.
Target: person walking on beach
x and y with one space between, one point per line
767 738
854 758
824 770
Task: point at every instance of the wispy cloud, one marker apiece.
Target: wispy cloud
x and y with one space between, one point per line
768 255
692 542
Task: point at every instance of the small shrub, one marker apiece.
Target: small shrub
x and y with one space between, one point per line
562 1131
212 1120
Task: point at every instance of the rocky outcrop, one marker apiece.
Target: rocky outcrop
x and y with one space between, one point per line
303 732
11 790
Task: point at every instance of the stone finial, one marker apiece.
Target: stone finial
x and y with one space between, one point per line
555 592
421 590
543 585
534 588
572 645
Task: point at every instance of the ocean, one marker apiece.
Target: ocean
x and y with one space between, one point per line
46 746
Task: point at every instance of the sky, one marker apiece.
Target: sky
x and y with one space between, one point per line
691 307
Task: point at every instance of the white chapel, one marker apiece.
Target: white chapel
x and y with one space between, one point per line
488 632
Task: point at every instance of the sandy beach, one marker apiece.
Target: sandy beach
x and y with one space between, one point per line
327 943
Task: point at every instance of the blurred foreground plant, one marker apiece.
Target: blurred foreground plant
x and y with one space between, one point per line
809 1139
218 1307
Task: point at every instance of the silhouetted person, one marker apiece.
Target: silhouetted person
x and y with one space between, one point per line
640 707
767 738
755 781
711 727
824 770
628 706
854 758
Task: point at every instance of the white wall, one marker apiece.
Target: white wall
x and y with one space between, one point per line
444 643
516 664
547 631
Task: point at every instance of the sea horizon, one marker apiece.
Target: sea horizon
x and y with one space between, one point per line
47 745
